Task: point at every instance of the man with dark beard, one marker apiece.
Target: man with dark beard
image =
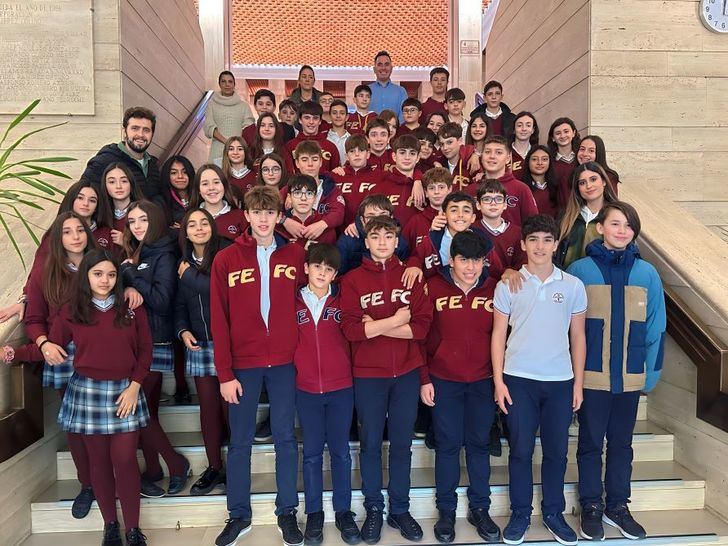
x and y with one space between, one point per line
137 131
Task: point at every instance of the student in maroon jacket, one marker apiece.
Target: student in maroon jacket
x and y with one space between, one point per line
358 120
104 402
501 117
438 185
411 114
520 201
439 78
212 192
302 194
456 155
403 184
384 321
253 288
309 116
525 135
563 141
377 131
457 383
505 236
324 393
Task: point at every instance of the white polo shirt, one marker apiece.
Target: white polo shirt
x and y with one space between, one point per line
539 316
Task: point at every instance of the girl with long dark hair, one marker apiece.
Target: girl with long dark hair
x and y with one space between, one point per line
540 177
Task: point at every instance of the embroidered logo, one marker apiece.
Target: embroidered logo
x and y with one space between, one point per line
232 229
558 297
142 266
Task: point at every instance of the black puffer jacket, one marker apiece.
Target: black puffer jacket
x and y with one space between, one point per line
155 277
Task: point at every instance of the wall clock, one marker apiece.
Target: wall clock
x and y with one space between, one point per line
714 15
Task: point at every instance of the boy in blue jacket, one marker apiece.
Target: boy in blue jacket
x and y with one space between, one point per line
625 331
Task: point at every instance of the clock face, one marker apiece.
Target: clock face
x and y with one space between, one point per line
714 15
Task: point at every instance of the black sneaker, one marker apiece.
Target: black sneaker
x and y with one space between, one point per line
158 477
407 525
623 520
82 503
314 528
445 526
591 522
112 535
494 443
151 490
561 531
348 527
288 526
486 527
234 529
208 481
178 483
135 537
263 432
371 529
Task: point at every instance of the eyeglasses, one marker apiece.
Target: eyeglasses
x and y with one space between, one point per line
498 199
411 110
270 170
300 194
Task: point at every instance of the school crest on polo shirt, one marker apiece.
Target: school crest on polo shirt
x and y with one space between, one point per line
557 297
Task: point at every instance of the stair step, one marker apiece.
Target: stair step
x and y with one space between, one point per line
665 528
656 486
186 417
650 443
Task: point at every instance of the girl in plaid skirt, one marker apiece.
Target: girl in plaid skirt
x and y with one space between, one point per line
150 269
47 289
199 242
104 402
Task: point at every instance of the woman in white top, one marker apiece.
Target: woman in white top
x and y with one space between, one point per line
226 115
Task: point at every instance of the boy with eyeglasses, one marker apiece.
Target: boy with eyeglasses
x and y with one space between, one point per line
411 112
505 236
302 192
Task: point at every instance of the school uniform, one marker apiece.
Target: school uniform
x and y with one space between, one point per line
340 143
506 240
461 176
539 376
328 236
518 163
625 330
243 180
386 375
252 308
328 202
383 163
329 153
397 187
404 130
354 249
324 396
563 169
542 196
433 252
356 124
419 226
249 132
230 222
459 368
430 106
355 185
107 359
192 314
501 123
519 199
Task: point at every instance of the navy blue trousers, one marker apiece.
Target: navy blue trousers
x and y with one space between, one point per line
462 416
326 419
548 405
280 381
394 401
604 414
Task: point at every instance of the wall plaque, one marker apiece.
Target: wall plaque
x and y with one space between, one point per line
46 52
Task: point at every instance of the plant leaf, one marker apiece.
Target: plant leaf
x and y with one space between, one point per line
20 117
48 171
59 159
38 196
25 223
33 182
12 239
28 203
17 143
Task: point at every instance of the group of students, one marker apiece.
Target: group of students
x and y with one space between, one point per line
367 284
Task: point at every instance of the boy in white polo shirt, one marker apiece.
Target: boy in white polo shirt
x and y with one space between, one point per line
539 376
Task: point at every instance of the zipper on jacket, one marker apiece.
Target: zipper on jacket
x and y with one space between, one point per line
202 315
318 358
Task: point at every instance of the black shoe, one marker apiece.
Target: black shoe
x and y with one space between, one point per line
494 445
421 425
151 490
182 398
623 520
135 537
445 527
430 439
314 528
158 477
407 525
591 527
82 503
486 527
112 535
263 432
371 529
178 483
348 527
288 526
234 529
208 481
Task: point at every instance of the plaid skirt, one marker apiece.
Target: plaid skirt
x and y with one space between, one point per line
200 363
162 358
89 407
57 376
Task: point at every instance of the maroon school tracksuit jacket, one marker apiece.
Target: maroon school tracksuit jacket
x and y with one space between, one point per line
384 163
462 179
322 359
418 227
331 206
430 106
329 152
355 186
376 290
328 236
458 345
398 189
242 339
356 123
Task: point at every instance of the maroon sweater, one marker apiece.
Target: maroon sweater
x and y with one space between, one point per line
376 290
242 339
398 189
231 224
322 359
104 351
563 171
356 123
384 163
39 314
543 202
430 106
461 177
517 164
355 186
418 227
404 130
245 183
507 245
329 152
458 346
328 236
